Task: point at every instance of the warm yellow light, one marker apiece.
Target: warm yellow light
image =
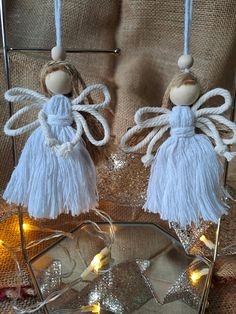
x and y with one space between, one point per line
1 242
25 227
95 308
195 276
96 263
207 242
203 238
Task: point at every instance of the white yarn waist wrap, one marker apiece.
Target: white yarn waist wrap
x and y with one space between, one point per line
183 132
59 120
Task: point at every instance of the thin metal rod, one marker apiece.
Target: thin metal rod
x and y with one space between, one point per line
7 68
115 51
23 241
204 303
8 83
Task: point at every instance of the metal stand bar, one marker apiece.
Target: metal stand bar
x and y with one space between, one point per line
6 67
115 51
8 82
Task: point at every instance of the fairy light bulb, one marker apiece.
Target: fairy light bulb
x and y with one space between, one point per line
197 274
1 242
25 227
96 262
95 308
207 242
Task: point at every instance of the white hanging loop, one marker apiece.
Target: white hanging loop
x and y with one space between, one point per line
187 25
58 53
57 7
185 62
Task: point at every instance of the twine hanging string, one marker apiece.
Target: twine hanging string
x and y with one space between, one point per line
57 7
188 9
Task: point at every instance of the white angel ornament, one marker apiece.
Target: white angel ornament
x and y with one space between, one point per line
55 173
185 181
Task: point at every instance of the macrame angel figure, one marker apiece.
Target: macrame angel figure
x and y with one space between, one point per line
55 173
185 180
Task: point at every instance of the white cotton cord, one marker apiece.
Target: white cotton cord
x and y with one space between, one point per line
209 128
151 122
49 139
213 110
88 90
23 94
205 121
57 8
130 133
214 134
188 9
28 127
80 120
20 95
153 137
81 124
229 124
149 157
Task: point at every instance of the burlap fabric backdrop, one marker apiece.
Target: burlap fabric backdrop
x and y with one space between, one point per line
149 34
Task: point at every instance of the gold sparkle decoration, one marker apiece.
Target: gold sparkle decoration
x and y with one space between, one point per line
123 289
190 238
189 285
123 179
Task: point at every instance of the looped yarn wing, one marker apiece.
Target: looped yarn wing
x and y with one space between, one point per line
160 125
21 95
206 118
78 106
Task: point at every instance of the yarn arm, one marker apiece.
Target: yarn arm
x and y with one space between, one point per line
209 128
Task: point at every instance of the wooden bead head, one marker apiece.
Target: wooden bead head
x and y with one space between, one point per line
185 94
184 89
59 77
